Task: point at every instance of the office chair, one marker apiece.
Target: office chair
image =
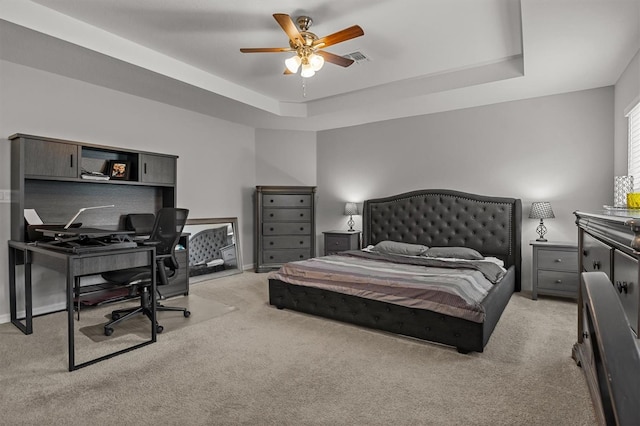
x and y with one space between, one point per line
164 235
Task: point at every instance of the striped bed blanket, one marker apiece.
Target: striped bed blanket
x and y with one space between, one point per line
451 287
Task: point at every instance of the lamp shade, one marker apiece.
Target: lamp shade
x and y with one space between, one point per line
293 63
541 210
350 209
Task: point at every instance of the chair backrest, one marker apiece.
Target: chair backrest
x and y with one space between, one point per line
140 223
167 229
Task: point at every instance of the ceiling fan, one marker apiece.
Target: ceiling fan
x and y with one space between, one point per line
308 47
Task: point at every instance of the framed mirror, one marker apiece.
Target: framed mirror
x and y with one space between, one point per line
214 248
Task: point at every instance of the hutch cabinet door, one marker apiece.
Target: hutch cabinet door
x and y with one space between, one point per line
54 159
157 169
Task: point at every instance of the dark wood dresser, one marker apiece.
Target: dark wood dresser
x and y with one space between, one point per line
284 225
608 349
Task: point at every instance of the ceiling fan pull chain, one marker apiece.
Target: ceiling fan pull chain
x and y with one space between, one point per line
304 87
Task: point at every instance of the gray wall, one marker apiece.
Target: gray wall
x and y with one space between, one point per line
555 148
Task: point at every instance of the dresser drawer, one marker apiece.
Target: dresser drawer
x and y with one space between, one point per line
287 241
558 260
596 256
284 256
286 200
626 284
286 228
299 215
558 282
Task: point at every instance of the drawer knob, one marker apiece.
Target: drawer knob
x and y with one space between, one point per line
301 214
301 228
270 243
301 242
270 214
558 281
558 260
270 229
622 286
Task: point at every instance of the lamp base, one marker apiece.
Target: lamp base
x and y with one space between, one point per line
541 230
351 222
543 240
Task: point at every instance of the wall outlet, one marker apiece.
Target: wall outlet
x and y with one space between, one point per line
5 195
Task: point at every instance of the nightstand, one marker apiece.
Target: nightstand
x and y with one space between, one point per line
336 241
229 256
554 269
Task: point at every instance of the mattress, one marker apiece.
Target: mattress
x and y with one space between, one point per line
452 287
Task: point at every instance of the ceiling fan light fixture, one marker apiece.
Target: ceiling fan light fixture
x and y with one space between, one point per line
293 63
307 71
316 62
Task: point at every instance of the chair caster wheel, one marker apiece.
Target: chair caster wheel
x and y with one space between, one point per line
115 317
159 329
108 331
187 314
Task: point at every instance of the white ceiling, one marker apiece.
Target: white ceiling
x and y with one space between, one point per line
425 56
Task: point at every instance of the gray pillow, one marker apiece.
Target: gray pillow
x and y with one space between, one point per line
395 247
454 252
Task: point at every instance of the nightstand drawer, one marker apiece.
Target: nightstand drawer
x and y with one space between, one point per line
337 242
558 260
555 281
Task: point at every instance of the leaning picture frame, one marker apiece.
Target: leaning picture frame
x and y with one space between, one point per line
119 170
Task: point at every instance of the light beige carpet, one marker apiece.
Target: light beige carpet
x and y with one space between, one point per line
257 365
201 309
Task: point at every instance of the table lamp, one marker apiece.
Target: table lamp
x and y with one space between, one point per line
541 210
349 210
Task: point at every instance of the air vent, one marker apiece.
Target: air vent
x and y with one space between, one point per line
357 56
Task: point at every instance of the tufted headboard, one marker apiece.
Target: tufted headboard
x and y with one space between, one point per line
205 245
441 217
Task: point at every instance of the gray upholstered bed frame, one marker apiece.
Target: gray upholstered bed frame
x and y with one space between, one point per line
435 218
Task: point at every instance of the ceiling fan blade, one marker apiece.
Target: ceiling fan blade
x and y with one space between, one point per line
265 49
289 27
335 59
340 36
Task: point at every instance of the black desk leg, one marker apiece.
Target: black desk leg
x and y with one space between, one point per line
27 327
71 280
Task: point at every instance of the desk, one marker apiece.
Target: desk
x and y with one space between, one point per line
74 266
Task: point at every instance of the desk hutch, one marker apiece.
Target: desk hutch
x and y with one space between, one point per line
46 175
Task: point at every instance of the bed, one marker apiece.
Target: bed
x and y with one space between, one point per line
433 219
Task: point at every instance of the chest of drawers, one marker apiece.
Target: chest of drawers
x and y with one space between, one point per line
555 269
285 225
